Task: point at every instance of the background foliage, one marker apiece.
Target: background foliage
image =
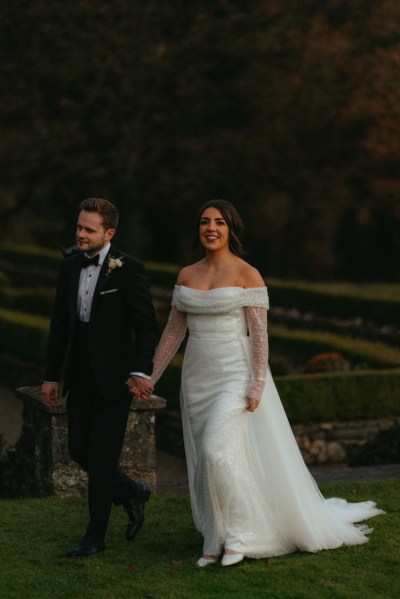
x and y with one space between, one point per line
290 110
348 332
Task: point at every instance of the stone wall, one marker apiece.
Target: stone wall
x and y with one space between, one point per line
355 442
39 464
347 442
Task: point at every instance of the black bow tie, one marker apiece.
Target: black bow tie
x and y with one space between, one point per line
86 261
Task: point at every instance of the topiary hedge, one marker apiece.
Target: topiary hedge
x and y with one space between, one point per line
30 255
4 286
340 396
337 302
375 303
293 347
319 397
23 335
298 346
162 274
32 300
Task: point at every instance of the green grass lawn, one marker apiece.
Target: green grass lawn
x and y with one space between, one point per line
160 563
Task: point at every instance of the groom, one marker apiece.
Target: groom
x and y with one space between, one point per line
103 329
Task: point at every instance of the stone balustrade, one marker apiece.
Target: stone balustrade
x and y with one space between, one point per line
40 464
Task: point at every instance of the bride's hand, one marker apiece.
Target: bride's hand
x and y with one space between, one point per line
252 404
140 387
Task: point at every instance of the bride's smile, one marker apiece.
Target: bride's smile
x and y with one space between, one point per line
213 230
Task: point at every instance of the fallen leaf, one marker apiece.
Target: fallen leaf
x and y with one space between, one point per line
176 562
132 566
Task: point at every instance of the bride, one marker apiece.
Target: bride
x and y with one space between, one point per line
250 491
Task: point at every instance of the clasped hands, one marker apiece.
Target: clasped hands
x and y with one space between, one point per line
140 387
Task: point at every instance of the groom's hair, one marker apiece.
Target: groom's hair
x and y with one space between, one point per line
232 218
108 212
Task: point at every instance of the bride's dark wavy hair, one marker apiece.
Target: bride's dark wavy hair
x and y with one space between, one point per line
232 218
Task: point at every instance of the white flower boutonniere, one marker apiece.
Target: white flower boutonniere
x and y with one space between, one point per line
114 263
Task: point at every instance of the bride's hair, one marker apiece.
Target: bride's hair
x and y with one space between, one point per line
232 218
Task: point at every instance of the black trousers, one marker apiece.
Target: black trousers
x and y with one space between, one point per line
96 430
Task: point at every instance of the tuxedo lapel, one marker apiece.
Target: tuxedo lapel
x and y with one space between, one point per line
73 297
101 281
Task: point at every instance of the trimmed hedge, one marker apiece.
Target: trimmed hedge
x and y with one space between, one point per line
32 300
377 303
293 347
31 255
162 274
298 346
369 303
23 335
320 397
4 285
340 396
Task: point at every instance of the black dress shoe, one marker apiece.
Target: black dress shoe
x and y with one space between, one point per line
134 507
87 546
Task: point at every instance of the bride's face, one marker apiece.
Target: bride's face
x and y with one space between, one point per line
213 230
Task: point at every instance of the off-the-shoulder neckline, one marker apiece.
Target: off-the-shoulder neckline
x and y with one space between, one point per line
218 288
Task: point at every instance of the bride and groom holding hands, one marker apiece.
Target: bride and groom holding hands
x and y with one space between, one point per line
251 493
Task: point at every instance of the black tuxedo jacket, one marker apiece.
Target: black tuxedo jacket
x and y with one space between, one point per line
122 331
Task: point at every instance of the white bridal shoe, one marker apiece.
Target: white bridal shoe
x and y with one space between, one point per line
228 559
203 562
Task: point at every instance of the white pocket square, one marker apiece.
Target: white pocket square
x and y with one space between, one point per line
108 291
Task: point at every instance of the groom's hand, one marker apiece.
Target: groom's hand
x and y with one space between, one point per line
140 387
51 393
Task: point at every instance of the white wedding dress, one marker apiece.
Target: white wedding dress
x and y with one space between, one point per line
249 487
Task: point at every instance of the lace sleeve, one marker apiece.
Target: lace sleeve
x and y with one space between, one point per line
257 325
170 341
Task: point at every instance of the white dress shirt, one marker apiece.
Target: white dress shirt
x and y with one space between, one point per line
87 285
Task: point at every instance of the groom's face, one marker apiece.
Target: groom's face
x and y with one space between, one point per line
91 236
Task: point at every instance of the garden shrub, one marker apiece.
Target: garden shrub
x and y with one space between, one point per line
290 349
328 302
370 303
162 274
32 300
327 362
28 255
299 346
23 335
319 397
340 396
4 285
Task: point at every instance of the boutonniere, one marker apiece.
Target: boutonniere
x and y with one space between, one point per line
113 263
